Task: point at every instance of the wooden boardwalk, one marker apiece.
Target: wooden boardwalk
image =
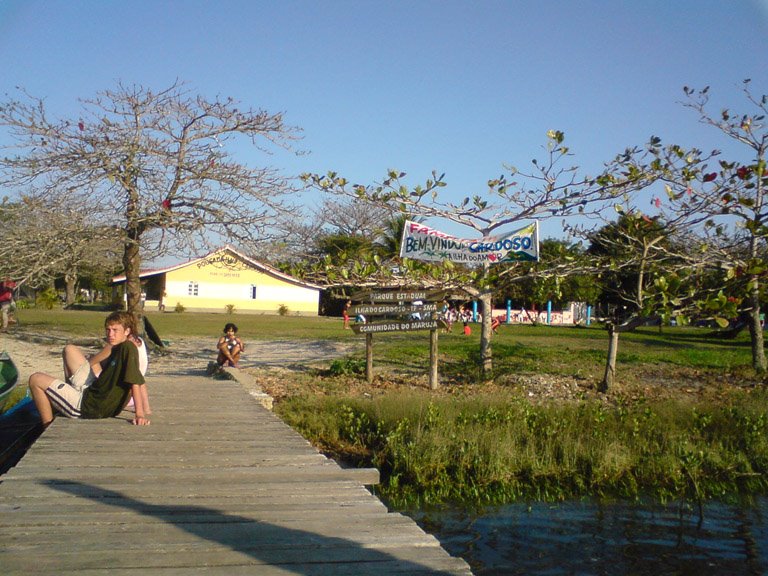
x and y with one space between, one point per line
216 485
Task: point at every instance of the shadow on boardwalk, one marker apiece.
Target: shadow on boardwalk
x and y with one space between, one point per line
291 550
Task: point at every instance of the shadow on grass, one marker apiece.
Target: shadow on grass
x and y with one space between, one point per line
672 337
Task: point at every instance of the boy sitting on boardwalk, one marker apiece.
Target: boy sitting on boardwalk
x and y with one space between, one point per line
99 386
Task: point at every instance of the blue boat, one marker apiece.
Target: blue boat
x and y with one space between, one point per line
19 428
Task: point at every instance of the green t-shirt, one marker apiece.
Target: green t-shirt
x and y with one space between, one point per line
107 396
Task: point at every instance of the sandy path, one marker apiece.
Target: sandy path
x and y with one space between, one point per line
35 352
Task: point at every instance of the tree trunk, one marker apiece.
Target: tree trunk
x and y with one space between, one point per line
132 265
369 358
486 353
610 366
755 242
70 291
756 329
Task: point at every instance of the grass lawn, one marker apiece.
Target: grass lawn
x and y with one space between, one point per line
564 351
172 325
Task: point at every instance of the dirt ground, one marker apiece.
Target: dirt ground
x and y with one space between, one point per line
277 366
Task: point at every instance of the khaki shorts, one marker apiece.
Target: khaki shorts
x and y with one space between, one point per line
83 377
66 397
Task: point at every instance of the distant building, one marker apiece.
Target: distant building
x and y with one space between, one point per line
222 278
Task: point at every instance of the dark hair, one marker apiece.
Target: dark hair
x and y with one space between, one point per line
125 319
229 325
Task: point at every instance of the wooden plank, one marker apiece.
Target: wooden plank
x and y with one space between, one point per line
308 562
216 485
192 477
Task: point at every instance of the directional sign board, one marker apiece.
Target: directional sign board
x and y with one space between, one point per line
399 295
404 303
396 326
374 309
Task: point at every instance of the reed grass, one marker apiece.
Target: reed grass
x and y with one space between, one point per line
487 449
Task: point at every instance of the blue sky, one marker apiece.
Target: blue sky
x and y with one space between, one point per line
454 86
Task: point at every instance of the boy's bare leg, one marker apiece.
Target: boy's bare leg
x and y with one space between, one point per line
73 358
38 384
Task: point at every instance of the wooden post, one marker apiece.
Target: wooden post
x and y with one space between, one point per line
369 357
390 302
434 383
610 365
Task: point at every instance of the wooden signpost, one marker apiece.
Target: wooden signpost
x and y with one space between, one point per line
379 309
397 326
399 303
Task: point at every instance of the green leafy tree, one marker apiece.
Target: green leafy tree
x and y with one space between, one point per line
648 264
736 193
339 249
723 207
388 243
551 188
333 243
628 253
563 274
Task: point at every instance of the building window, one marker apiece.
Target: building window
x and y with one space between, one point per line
192 289
253 292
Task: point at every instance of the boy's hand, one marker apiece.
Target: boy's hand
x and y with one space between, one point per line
140 421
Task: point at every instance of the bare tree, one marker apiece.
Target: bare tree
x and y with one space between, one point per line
44 241
353 218
154 166
305 237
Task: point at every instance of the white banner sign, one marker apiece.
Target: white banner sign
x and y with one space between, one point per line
421 242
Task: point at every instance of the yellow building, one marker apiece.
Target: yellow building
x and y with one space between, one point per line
223 278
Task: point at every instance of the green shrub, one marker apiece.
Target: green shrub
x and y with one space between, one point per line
347 366
230 308
48 298
179 307
282 310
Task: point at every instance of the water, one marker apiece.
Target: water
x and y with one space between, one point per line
595 538
19 428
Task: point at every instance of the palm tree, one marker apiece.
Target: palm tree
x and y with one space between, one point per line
389 242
